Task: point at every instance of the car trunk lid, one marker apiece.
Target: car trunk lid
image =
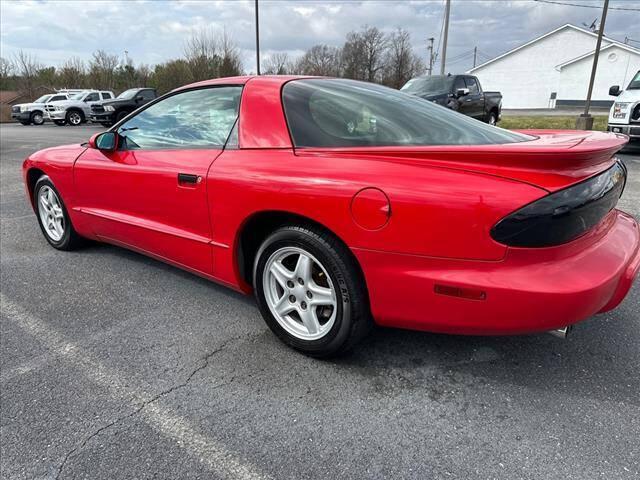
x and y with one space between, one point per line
552 160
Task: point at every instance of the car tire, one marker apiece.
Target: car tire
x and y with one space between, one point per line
37 118
319 305
74 118
60 123
492 119
53 217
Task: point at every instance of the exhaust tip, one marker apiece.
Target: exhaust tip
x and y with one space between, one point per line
561 332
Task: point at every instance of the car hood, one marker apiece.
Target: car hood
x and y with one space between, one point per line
117 103
629 96
30 105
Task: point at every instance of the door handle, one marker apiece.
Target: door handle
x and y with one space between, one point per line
188 178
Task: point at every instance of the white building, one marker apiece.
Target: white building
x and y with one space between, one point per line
553 70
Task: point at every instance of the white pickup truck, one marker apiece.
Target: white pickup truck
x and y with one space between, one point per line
77 108
624 116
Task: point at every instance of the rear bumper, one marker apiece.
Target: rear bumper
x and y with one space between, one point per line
530 290
632 130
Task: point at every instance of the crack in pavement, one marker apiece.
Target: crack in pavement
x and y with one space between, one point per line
204 364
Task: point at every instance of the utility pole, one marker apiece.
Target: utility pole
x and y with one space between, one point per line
585 121
447 10
430 49
475 55
257 40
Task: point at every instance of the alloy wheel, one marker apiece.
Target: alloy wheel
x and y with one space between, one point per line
51 215
75 118
300 293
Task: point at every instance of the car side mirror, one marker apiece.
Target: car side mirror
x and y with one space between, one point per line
461 92
614 91
139 98
105 141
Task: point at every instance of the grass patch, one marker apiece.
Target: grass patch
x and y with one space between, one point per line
550 122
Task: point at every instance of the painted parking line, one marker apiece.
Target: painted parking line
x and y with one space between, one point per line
215 456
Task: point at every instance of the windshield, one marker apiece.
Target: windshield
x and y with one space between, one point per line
43 99
635 83
128 94
347 113
428 85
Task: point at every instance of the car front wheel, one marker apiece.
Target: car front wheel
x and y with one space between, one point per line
74 118
53 217
37 118
310 291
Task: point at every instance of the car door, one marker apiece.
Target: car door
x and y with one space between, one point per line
92 98
474 102
151 193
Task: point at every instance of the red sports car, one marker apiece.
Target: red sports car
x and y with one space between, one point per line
341 203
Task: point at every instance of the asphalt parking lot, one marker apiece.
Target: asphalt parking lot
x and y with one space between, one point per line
114 365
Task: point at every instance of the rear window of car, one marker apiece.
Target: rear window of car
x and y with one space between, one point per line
344 113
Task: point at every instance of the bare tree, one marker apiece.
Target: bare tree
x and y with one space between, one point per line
27 67
400 64
201 51
144 74
72 73
231 64
353 57
278 64
102 69
7 69
374 45
320 60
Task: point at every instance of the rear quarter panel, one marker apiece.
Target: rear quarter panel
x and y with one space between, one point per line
436 212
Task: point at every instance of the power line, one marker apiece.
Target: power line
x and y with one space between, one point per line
629 9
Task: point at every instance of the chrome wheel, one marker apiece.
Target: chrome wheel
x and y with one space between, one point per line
74 118
299 293
51 215
37 119
492 119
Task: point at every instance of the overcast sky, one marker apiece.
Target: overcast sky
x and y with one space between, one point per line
155 31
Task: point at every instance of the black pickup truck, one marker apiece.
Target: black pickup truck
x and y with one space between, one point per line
108 113
462 93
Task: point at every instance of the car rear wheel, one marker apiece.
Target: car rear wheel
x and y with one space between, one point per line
74 118
310 291
493 119
37 118
60 123
53 217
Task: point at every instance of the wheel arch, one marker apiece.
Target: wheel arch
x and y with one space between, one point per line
259 225
33 174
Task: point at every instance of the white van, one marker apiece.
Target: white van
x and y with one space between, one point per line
624 116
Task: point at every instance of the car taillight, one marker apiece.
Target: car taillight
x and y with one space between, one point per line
564 215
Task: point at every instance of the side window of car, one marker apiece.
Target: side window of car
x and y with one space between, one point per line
106 95
147 95
55 98
92 97
472 85
199 118
459 83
